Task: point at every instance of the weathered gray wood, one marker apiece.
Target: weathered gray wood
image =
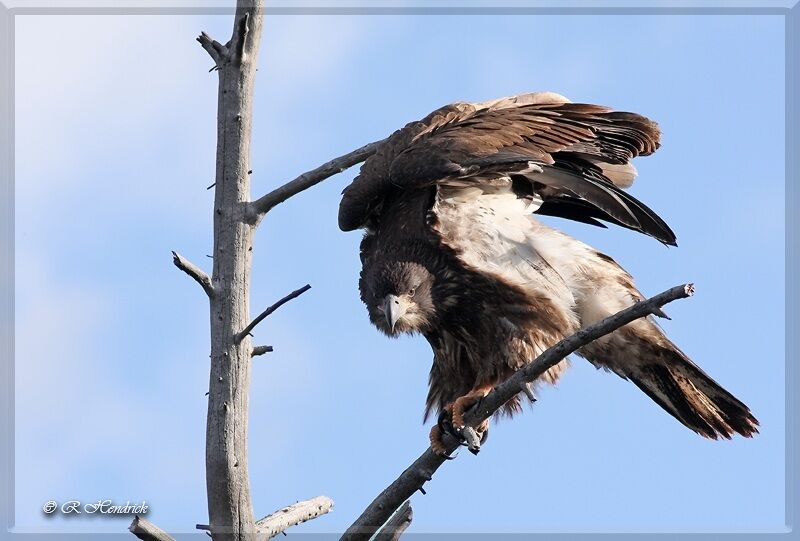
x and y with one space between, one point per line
294 514
397 524
197 274
260 350
423 468
147 531
230 508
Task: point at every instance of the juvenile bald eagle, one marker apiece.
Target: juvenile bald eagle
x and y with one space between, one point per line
452 251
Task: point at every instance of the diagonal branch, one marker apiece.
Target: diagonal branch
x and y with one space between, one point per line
423 468
195 272
261 206
260 317
300 512
147 531
552 356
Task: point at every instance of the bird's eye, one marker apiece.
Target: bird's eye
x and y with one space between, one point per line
411 293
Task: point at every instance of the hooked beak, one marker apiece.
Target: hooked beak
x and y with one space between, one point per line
393 309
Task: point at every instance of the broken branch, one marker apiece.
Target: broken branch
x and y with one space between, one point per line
239 39
147 531
195 272
217 51
292 515
397 524
260 350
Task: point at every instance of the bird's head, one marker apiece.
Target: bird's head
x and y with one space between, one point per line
398 295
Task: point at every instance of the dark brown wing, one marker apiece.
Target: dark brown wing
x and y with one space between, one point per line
363 198
567 152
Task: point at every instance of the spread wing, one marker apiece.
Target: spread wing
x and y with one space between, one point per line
572 160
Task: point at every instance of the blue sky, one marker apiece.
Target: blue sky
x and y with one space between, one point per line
115 137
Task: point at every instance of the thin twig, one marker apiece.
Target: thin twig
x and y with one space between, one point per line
292 515
260 350
422 469
260 317
147 531
195 272
397 524
264 204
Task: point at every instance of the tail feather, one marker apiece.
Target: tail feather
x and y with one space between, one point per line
692 397
639 351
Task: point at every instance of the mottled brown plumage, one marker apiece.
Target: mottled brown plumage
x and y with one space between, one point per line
451 250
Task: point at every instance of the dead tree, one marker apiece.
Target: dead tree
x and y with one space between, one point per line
236 217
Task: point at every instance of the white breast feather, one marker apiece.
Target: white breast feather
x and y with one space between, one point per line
494 233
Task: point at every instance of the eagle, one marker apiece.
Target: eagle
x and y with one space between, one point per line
452 250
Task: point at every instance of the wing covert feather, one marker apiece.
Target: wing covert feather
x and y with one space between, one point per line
576 150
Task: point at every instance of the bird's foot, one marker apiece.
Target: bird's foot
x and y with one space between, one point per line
437 445
473 438
443 426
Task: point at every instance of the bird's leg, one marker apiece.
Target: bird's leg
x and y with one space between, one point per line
443 426
463 403
437 445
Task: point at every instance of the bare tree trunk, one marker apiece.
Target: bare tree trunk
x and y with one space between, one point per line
230 508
